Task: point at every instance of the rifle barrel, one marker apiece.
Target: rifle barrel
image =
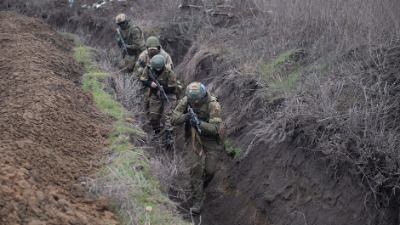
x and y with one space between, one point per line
122 41
194 117
159 87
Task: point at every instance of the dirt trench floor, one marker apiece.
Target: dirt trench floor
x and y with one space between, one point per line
51 136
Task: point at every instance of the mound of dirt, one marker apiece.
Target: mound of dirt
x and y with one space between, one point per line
51 135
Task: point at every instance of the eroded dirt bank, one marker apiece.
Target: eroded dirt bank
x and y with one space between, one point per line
51 135
280 185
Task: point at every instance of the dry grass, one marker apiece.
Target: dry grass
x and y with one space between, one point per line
349 112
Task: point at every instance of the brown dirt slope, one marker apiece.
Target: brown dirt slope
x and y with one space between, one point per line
278 184
51 135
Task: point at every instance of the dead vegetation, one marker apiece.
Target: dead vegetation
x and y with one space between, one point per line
348 110
344 103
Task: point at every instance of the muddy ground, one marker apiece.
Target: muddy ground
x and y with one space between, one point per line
52 137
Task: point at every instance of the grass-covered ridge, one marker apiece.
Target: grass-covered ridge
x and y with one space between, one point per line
282 73
135 196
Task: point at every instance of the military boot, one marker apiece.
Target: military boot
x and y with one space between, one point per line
196 208
157 131
168 139
198 204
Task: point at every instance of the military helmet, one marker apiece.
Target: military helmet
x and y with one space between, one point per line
121 18
158 61
152 42
196 90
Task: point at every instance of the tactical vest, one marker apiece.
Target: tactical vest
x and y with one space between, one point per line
203 112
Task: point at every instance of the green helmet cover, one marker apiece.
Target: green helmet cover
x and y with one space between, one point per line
158 61
152 42
196 90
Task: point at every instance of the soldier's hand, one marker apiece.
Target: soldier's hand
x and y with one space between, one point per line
119 43
142 64
153 84
193 122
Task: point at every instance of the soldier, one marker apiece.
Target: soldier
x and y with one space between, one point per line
153 48
131 40
205 133
160 104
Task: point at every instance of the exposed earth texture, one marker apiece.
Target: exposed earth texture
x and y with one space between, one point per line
52 137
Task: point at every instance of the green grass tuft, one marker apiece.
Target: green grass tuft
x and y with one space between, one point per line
281 73
125 179
232 150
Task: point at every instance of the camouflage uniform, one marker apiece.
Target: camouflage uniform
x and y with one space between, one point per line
205 148
134 40
144 60
158 107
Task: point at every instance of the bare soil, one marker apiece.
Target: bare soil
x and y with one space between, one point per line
52 137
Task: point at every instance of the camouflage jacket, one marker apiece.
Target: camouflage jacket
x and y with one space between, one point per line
133 38
144 57
209 113
167 80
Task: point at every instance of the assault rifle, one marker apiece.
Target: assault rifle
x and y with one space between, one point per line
121 39
159 87
193 120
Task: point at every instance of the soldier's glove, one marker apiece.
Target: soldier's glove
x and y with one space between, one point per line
142 64
119 43
193 122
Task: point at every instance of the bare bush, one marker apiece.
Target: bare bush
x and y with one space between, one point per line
350 114
122 187
325 29
128 90
171 169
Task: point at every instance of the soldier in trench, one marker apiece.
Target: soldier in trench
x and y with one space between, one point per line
153 47
130 40
205 131
162 84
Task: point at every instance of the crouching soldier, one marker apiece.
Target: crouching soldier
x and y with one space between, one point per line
205 131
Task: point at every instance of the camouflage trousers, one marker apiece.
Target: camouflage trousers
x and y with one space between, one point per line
138 70
204 165
160 112
128 63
